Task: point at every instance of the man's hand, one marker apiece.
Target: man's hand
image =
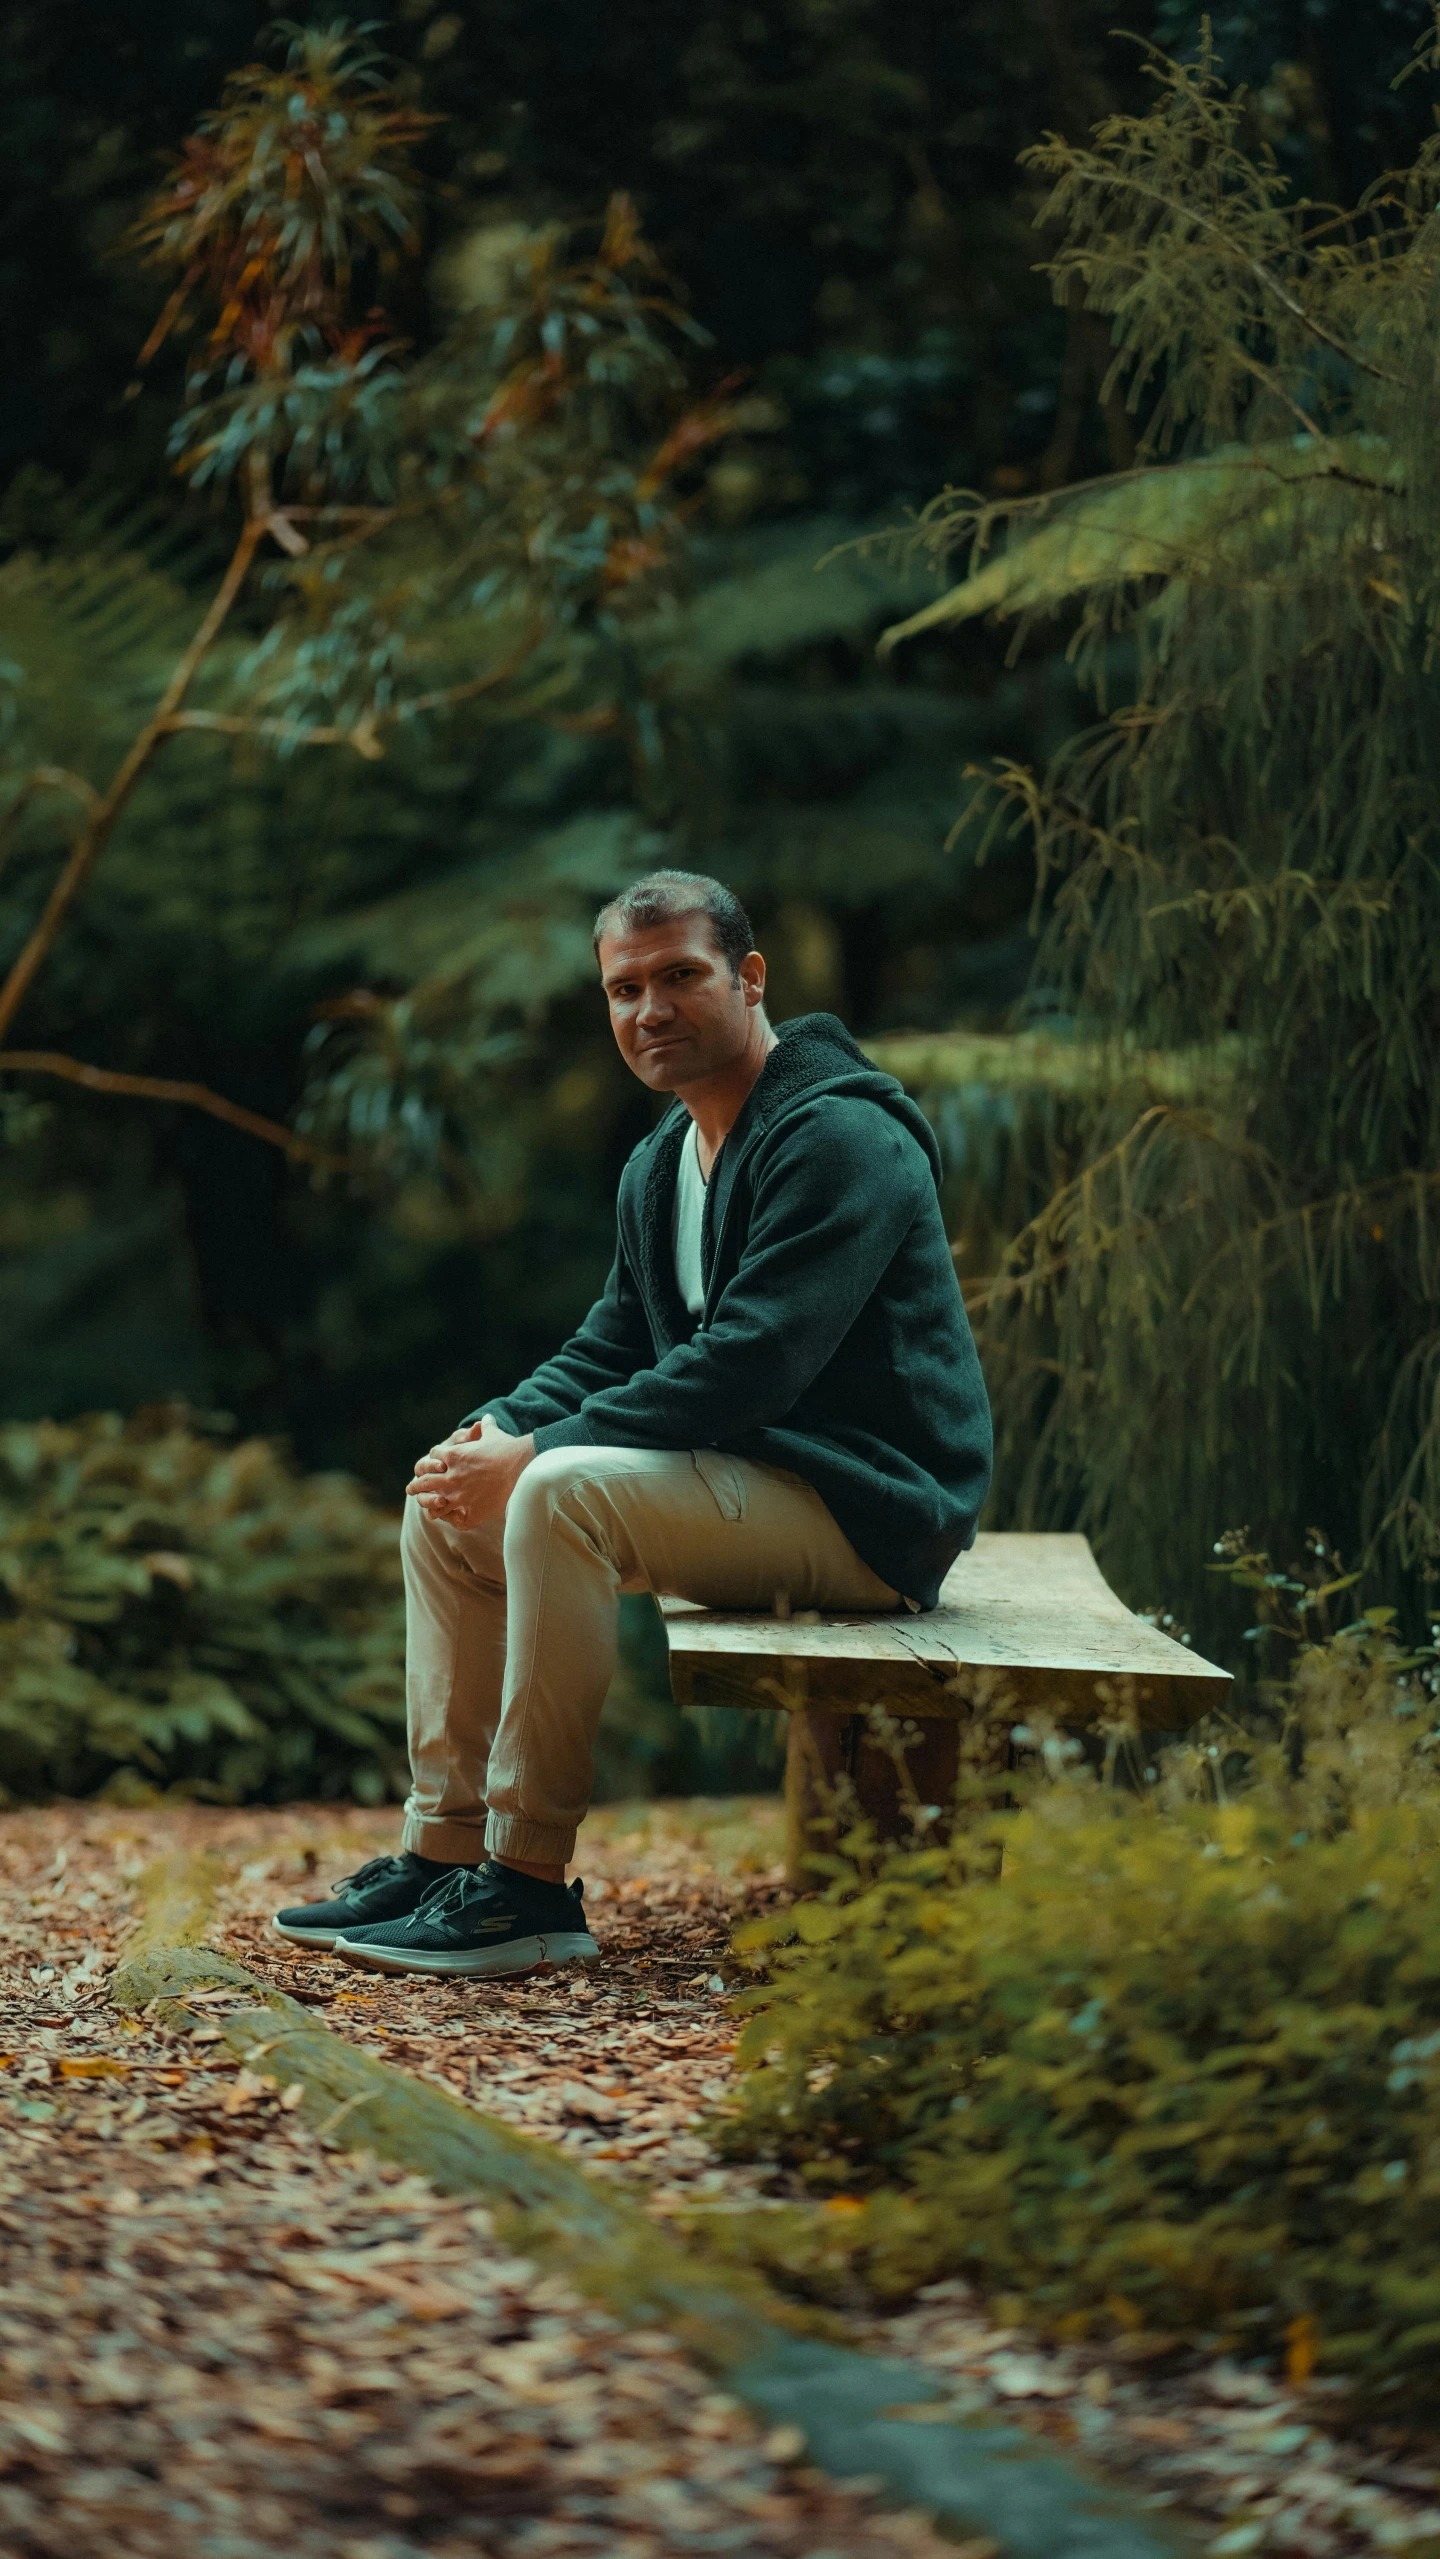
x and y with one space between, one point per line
469 1477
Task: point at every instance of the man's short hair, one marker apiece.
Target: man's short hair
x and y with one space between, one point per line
663 896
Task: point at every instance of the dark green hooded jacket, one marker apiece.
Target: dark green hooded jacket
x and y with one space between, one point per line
833 1339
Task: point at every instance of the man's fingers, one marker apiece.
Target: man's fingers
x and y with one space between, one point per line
461 1437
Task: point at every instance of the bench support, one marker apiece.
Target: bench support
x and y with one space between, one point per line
1026 1626
834 1763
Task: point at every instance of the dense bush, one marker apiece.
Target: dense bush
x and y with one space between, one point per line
179 1611
1177 2067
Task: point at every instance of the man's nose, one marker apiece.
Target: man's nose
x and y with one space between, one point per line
655 1006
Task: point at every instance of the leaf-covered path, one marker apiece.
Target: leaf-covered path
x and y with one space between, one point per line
222 2337
615 2064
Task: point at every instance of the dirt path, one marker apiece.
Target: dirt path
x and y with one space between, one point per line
221 2337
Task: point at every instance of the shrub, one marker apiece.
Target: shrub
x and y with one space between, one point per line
178 1611
1177 2067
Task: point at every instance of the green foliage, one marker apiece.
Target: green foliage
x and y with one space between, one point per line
1245 511
394 949
92 625
179 1612
1221 1303
1177 2066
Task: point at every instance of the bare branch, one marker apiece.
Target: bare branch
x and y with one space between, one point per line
478 684
53 777
45 777
364 736
285 732
324 514
279 526
160 1088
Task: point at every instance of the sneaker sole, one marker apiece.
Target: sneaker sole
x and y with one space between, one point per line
321 1937
520 1955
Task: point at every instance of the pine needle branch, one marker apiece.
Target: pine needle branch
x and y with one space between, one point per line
1263 275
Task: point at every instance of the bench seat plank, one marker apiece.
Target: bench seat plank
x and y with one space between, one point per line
1025 1617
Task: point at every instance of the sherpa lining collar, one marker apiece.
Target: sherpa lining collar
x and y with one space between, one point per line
805 1053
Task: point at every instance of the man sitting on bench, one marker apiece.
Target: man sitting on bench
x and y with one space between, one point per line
775 1405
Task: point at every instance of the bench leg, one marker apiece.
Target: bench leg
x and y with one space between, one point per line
834 1768
818 1749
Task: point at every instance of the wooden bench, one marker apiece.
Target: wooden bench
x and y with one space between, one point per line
1026 1624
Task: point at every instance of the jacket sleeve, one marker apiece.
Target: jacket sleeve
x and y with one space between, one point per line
611 1344
835 1193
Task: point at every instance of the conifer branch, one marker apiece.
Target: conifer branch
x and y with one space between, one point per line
1264 276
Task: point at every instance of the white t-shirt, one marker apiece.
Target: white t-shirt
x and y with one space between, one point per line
689 1218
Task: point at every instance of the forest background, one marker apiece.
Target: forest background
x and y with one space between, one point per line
396 949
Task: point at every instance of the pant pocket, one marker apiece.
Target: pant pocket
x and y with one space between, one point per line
723 1479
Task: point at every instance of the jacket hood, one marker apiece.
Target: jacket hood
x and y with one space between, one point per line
815 1054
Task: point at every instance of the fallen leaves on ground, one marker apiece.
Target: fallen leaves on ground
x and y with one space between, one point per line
1229 2444
618 2065
219 2334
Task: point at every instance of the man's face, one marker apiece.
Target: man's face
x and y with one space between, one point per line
677 1013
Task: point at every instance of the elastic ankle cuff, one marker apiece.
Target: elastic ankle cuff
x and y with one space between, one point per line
445 1843
509 1835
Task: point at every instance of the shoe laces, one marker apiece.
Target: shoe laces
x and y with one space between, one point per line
455 1892
369 1874
471 1884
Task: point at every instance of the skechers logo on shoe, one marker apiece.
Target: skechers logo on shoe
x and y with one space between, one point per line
491 1927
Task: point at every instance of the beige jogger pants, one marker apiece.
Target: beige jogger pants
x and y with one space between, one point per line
511 1628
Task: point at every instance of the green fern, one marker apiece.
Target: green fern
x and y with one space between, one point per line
176 1612
1305 503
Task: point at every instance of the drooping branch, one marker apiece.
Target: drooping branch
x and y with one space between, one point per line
45 777
1264 276
161 1088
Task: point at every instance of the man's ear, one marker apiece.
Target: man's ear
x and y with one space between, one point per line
752 977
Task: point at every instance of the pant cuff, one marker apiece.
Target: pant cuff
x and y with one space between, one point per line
451 1843
510 1835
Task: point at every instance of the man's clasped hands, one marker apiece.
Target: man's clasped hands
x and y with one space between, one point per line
469 1477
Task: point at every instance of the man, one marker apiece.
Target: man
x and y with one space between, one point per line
776 1404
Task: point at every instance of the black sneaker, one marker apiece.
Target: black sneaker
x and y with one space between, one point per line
388 1888
489 1919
